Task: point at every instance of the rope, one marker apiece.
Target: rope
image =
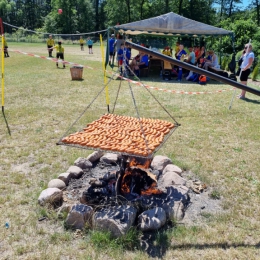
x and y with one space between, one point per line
117 94
84 111
127 79
77 34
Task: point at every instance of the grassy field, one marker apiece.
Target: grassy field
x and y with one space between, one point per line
219 145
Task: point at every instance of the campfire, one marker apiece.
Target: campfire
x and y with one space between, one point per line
136 180
115 192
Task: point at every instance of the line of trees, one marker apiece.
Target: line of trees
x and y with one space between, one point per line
82 16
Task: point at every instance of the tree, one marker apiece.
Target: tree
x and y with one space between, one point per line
244 30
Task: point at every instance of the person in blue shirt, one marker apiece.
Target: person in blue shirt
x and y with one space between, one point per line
127 54
143 63
111 48
90 44
120 57
178 57
144 60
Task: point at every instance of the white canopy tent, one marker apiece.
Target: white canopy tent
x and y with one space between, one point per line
171 24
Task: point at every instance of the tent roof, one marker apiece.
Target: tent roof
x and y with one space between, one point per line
171 24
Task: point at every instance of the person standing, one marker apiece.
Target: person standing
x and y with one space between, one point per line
248 59
127 55
90 44
81 42
178 57
50 44
118 44
111 48
59 53
120 58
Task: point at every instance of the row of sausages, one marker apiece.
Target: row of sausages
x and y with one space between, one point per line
122 134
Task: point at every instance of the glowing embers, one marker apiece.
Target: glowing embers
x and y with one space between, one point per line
139 182
122 134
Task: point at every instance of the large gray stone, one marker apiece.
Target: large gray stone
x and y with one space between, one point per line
109 158
174 210
78 216
172 168
95 156
178 193
152 219
57 183
117 220
172 178
51 195
66 176
159 162
83 163
75 172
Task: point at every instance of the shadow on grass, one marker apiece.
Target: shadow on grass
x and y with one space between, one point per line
159 79
254 101
157 244
7 126
214 245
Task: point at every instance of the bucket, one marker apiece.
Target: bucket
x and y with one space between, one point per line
76 72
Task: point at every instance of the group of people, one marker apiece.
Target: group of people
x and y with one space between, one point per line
197 56
122 51
60 49
89 43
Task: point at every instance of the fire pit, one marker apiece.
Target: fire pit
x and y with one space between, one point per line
115 192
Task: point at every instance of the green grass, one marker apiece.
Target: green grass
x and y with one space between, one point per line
219 145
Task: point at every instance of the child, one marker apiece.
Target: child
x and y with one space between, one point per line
90 44
127 54
59 53
120 57
81 41
50 43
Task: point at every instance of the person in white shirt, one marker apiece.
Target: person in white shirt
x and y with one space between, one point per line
248 59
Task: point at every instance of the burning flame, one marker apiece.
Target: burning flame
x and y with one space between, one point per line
139 162
139 182
152 190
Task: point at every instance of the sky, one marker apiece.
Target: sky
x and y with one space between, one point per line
244 4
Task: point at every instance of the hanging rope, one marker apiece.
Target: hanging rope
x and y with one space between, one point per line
84 111
77 34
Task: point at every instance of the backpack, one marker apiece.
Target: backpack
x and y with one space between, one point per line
202 80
